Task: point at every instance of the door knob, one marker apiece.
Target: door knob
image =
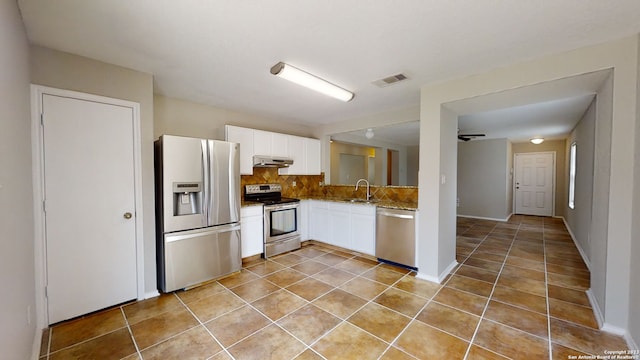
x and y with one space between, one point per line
127 215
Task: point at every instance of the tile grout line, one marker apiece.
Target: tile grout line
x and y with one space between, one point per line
454 273
49 343
546 289
202 324
409 323
360 308
307 347
86 340
272 322
135 343
475 333
429 301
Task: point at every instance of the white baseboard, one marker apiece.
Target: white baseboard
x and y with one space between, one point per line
37 341
151 294
615 330
630 343
440 278
430 278
484 218
575 242
447 271
596 309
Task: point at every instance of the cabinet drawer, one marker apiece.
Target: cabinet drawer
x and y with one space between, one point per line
251 211
363 209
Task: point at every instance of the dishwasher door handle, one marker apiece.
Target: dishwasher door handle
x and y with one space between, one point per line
400 216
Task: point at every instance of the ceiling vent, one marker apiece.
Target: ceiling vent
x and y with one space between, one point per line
389 80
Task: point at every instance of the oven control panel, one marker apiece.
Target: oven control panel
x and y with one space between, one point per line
262 188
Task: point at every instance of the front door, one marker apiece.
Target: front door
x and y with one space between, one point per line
534 183
90 235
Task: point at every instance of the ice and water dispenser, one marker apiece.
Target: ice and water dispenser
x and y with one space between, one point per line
187 198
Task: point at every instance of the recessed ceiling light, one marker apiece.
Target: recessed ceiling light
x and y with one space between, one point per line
369 133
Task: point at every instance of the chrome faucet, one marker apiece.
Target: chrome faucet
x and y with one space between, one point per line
368 192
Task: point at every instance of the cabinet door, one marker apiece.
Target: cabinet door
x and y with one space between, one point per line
261 142
279 145
318 221
251 231
363 229
313 157
297 152
339 225
244 137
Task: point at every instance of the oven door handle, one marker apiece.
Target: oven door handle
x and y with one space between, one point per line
281 207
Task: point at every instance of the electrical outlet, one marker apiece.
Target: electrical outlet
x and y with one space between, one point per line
293 184
457 202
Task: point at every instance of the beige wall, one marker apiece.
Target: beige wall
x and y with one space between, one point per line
634 311
338 148
71 72
579 218
16 193
482 176
185 118
413 161
559 147
620 55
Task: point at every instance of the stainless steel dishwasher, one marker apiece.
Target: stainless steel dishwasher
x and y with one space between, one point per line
395 236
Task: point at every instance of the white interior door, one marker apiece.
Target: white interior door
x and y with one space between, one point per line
89 205
534 183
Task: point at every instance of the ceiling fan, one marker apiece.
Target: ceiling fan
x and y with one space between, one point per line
467 137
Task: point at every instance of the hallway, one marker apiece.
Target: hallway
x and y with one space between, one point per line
535 280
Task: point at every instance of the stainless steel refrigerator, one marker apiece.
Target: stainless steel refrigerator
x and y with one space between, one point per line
197 210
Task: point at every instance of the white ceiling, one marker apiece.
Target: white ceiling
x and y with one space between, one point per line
219 52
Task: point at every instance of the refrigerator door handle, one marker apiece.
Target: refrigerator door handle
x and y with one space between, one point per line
193 234
211 184
207 180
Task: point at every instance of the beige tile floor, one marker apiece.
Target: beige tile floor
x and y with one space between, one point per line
517 293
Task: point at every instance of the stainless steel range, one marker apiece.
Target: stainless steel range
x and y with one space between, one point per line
281 230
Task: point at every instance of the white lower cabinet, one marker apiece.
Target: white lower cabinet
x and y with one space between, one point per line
339 225
350 226
319 220
363 229
251 230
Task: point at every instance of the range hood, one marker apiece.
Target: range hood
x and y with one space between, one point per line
271 161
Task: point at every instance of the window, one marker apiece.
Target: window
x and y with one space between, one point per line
572 175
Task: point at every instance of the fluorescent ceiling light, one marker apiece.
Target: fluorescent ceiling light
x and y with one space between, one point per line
313 82
537 141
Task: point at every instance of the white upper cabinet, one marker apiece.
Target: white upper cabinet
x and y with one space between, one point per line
261 142
297 152
279 145
244 137
313 156
305 152
270 143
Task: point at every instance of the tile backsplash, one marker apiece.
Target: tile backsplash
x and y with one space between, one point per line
305 185
310 186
